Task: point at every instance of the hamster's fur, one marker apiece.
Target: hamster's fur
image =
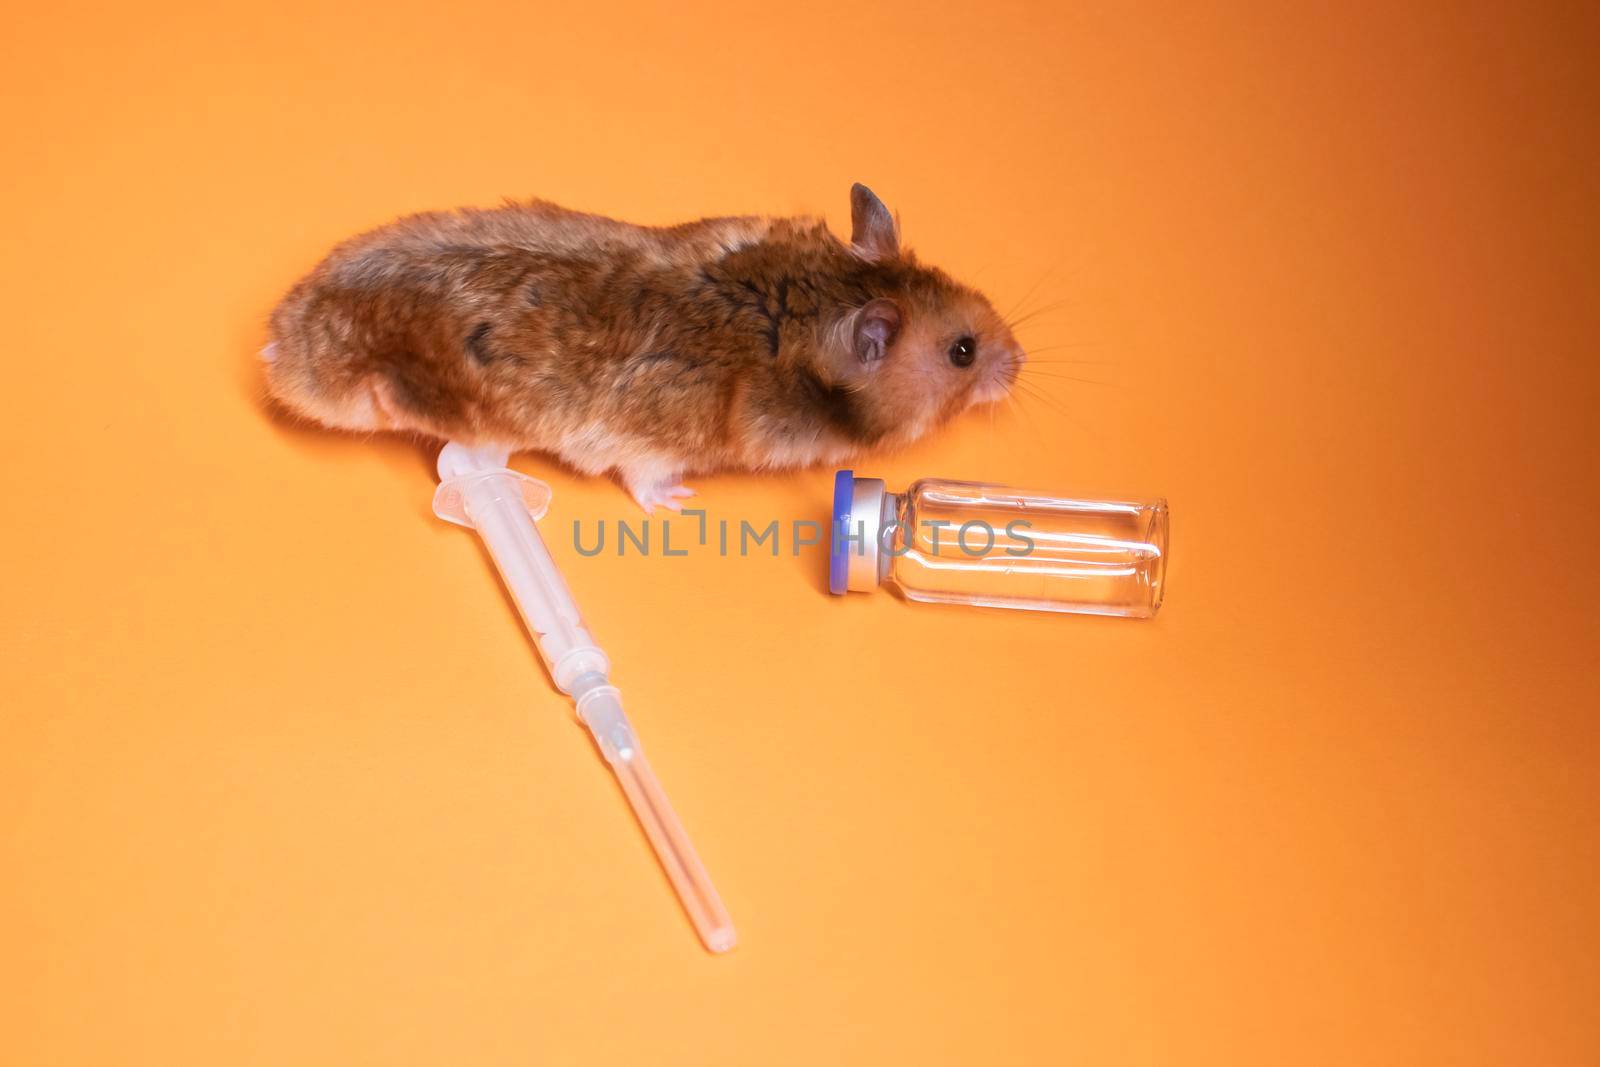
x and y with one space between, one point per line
745 343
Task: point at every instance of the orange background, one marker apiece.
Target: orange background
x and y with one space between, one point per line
281 781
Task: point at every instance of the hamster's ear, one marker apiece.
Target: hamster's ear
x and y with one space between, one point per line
876 326
871 226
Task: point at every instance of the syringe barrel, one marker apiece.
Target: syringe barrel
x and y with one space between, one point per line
496 503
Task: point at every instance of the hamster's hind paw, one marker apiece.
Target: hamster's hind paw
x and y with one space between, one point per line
667 494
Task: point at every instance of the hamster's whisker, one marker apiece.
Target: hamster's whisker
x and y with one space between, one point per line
1034 288
1046 402
1032 350
1031 362
1023 311
1011 404
1018 410
1036 373
1027 416
1047 309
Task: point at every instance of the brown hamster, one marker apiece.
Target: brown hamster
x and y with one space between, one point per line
730 343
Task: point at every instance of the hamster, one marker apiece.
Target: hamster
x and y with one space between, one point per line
746 343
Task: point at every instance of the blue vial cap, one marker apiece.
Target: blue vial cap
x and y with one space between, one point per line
844 488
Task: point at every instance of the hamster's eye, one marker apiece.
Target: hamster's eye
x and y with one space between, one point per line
963 352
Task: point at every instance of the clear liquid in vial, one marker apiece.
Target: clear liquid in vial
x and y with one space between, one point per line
966 543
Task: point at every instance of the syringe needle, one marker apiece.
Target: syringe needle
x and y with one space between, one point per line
676 854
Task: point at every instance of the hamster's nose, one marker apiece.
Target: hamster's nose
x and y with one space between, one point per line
1017 357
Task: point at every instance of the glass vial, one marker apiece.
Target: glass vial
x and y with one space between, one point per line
950 542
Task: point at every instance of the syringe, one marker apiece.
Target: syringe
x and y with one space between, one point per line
478 491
